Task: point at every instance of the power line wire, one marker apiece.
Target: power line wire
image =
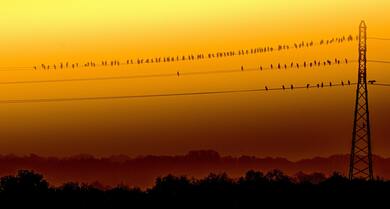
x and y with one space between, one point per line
278 67
378 38
202 56
379 61
381 84
266 89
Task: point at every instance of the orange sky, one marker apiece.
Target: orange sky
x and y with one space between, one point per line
293 124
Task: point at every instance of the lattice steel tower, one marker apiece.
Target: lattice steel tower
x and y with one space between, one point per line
361 156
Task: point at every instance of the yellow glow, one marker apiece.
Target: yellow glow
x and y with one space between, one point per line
49 32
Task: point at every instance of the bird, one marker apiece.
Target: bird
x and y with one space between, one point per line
35 67
178 73
346 60
349 82
279 66
261 67
283 87
266 88
342 83
242 68
272 66
308 85
292 86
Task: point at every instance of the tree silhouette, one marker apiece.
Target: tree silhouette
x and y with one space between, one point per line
25 181
253 190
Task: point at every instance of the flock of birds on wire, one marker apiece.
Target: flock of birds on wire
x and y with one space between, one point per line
192 57
318 85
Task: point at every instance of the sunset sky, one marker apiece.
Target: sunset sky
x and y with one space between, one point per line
294 124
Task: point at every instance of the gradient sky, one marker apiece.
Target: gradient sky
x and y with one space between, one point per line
293 124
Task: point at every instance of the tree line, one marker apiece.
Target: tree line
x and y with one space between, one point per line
28 188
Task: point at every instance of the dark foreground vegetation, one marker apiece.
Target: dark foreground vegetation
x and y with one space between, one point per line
28 189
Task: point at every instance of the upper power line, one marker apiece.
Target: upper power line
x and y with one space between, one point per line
197 56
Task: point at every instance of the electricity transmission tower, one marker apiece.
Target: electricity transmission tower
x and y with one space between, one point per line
361 156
